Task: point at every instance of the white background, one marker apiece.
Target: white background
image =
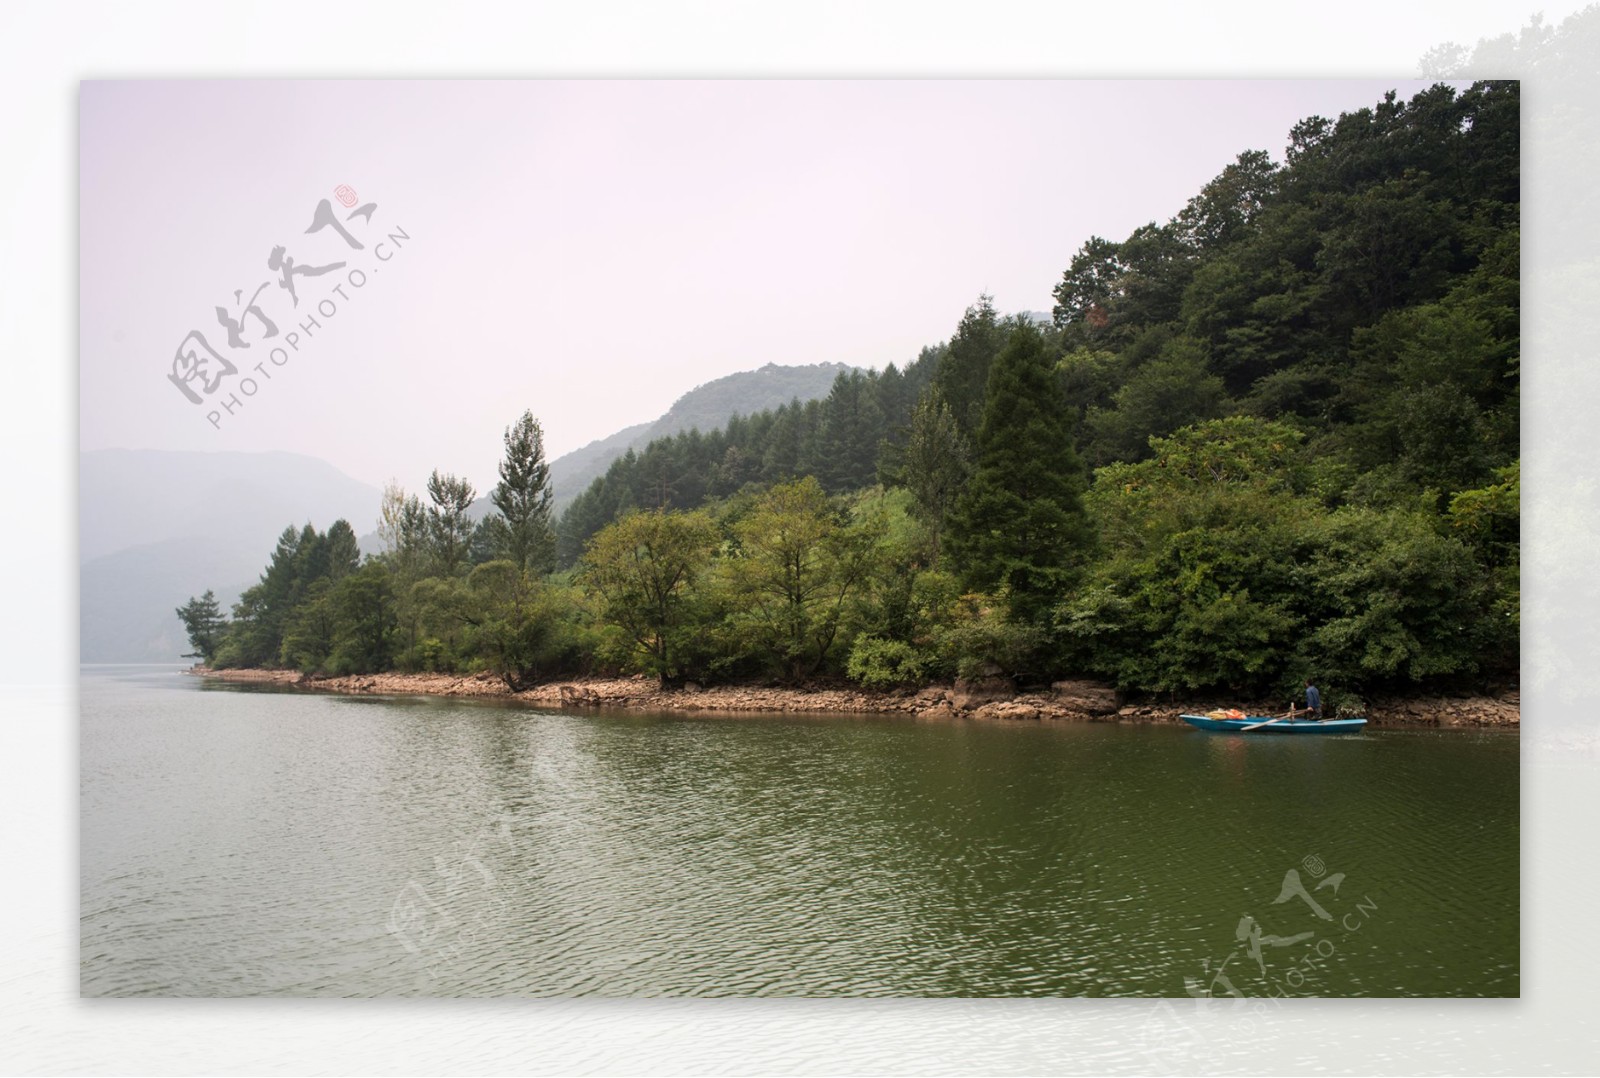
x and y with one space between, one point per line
45 49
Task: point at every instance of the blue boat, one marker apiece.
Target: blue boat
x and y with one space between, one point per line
1266 724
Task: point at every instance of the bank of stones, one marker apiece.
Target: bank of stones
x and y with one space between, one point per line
989 698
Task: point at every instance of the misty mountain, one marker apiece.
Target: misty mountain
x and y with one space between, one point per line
708 407
127 598
156 527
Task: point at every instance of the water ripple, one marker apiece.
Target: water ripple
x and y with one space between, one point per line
245 843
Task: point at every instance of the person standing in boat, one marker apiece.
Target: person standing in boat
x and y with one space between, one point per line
1313 702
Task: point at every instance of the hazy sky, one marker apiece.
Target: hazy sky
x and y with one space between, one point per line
592 250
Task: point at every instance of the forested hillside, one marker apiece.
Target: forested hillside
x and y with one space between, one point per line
1274 436
705 407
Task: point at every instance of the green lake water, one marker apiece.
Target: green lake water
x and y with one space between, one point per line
240 841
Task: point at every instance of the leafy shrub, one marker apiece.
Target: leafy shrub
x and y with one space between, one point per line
880 664
982 637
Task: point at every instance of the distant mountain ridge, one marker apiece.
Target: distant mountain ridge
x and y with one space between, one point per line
156 527
708 407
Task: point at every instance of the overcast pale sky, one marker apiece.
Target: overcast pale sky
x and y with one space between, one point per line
592 250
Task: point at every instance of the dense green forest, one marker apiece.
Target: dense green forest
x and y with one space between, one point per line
1273 437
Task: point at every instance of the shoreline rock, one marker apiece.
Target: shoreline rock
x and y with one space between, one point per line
1077 700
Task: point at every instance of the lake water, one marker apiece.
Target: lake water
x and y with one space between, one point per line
244 841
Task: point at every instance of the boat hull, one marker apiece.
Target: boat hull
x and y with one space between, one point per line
1282 726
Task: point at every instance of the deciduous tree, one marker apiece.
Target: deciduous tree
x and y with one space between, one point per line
645 568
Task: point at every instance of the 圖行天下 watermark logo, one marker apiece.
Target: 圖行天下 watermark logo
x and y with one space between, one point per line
1265 966
1254 944
216 371
440 918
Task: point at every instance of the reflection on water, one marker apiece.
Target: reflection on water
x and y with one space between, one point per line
239 842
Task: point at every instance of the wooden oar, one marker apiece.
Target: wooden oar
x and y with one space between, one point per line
1269 722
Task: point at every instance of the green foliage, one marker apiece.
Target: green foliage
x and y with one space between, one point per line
1198 588
1433 391
1190 475
1491 516
311 630
525 629
1488 519
1225 577
1090 285
963 368
403 527
364 609
202 619
852 426
523 533
434 616
1089 378
1019 524
262 609
1300 394
839 440
1174 391
646 570
1226 208
884 664
1390 244
795 565
977 636
303 565
449 530
342 551
935 464
1204 598
1389 599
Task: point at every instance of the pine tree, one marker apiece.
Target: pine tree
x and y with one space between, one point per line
1019 525
782 456
852 427
584 516
963 369
263 607
449 530
203 619
523 498
935 463
342 550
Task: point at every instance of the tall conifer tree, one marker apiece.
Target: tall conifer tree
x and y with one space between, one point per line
523 497
1020 525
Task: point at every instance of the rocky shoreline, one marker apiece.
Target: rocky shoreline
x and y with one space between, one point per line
988 698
